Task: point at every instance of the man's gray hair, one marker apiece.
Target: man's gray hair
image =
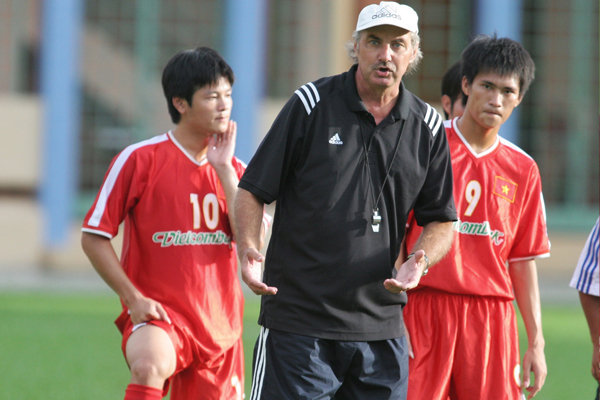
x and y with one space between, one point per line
415 41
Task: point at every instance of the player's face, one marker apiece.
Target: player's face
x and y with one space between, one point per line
492 98
211 108
384 53
453 109
457 109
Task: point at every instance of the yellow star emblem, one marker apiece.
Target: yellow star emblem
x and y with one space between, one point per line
505 188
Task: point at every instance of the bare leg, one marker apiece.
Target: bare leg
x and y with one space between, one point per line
151 356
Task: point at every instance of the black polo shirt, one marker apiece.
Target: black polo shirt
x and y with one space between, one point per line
324 257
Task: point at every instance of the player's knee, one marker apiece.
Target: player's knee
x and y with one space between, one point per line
146 371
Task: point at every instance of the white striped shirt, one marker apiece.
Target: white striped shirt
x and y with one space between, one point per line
585 278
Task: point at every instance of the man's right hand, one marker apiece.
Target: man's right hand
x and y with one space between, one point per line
144 309
252 270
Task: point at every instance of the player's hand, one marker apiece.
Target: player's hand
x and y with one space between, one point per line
534 361
409 274
252 270
221 147
144 309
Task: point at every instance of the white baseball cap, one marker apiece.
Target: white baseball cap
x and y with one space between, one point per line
388 13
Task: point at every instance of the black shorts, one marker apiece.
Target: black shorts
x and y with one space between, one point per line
289 366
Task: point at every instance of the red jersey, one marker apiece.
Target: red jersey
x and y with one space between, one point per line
499 203
177 246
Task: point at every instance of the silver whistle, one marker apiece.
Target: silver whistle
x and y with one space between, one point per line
376 220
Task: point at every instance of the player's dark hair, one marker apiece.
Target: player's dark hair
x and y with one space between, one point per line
190 70
452 83
503 56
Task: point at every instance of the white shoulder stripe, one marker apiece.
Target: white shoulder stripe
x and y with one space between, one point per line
437 125
433 119
111 179
315 91
308 94
427 114
306 106
513 146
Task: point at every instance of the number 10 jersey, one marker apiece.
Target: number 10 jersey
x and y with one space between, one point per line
177 239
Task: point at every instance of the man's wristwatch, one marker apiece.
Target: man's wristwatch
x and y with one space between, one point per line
426 262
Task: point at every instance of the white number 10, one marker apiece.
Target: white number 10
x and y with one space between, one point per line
472 194
210 210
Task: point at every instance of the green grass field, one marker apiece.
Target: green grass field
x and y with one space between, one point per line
61 346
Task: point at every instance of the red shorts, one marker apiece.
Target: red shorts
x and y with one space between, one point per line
465 347
195 377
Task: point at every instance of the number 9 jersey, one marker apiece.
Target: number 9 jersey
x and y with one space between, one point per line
499 203
177 239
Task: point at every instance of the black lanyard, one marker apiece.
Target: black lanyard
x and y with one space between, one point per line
376 220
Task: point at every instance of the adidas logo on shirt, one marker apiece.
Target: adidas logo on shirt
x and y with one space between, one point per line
335 139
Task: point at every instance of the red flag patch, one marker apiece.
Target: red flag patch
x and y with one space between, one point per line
505 189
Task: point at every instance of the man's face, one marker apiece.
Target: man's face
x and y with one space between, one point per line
492 98
384 53
211 108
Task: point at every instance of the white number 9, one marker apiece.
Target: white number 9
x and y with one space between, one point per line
472 194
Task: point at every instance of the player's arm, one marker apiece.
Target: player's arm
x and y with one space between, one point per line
102 255
219 154
249 210
590 305
527 293
435 241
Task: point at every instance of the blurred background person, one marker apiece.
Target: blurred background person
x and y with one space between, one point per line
585 280
452 94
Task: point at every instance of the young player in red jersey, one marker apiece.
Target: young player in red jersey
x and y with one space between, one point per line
177 276
461 318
